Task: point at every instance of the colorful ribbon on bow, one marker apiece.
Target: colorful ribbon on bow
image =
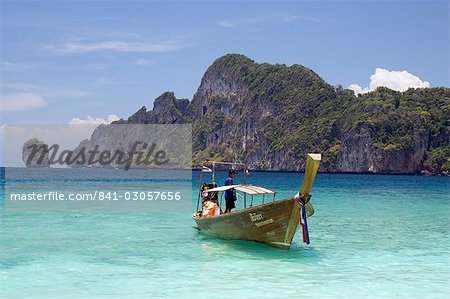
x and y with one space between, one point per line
303 218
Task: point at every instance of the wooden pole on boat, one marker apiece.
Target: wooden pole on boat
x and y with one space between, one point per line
245 194
312 165
200 187
302 197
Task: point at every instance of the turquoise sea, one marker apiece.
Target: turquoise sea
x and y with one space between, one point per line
372 236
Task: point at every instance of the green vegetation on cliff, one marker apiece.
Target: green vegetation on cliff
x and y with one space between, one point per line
305 114
272 115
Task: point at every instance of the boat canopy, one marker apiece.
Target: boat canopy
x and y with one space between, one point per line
249 189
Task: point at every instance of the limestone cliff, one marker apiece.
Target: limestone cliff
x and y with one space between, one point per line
358 154
272 115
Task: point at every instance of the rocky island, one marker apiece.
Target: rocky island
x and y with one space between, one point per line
272 115
35 153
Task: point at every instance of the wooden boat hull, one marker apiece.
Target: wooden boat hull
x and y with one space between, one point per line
272 223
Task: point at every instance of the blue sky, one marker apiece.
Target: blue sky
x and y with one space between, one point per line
65 60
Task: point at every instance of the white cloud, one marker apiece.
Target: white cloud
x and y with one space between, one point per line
358 89
65 93
143 62
15 67
47 92
94 120
21 101
299 18
227 24
276 18
118 46
396 80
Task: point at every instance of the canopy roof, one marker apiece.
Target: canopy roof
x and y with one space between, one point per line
249 189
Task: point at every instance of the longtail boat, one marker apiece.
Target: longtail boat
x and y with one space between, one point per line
273 223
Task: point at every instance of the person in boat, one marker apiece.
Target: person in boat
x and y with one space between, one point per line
210 208
212 196
230 195
210 204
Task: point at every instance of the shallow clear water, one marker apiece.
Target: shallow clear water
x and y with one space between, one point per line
371 237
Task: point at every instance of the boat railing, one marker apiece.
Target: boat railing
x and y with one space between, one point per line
250 190
263 196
